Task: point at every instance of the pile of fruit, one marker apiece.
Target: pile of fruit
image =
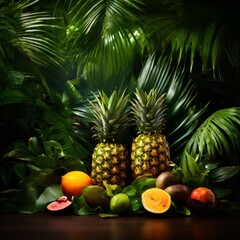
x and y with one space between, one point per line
161 195
154 186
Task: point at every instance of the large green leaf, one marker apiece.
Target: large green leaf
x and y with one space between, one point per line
98 37
218 135
51 193
32 188
223 173
199 34
26 37
58 122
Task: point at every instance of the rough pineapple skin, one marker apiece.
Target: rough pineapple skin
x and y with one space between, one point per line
110 163
150 155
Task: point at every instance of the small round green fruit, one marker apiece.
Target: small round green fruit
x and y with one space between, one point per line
120 203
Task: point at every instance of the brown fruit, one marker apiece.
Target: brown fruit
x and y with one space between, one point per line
165 179
156 200
96 196
179 192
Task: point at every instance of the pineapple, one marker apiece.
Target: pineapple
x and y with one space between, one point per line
150 152
110 160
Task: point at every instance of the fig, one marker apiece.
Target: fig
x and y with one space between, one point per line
165 179
179 193
60 206
96 196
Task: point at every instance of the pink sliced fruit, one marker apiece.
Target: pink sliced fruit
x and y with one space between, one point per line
60 204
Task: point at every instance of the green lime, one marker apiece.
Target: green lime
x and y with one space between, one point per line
119 203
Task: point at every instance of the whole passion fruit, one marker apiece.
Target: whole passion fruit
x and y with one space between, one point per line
96 196
165 179
179 193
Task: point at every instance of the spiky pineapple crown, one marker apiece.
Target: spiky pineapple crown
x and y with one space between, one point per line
110 115
149 111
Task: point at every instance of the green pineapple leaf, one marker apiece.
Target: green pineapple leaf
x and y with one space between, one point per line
110 115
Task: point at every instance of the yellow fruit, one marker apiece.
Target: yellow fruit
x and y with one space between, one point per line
73 182
156 200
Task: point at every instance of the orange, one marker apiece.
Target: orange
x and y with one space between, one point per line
156 200
73 182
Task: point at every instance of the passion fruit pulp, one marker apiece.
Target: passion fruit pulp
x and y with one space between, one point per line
156 200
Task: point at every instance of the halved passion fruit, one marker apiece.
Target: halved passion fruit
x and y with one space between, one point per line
156 200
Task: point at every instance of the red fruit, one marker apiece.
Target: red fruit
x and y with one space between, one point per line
205 196
60 204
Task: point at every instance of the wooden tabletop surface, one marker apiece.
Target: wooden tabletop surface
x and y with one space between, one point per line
46 226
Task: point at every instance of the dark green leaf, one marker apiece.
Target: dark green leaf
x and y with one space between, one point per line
221 174
130 191
108 215
32 188
136 205
33 146
112 189
50 194
53 149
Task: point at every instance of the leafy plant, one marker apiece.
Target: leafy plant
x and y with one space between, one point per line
100 39
196 32
217 136
209 146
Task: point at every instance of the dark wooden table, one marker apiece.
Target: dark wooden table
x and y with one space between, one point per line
45 226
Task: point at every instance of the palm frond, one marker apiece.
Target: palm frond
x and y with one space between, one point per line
25 38
197 32
217 136
101 39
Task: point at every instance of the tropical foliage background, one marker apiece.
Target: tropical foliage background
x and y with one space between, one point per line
55 54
